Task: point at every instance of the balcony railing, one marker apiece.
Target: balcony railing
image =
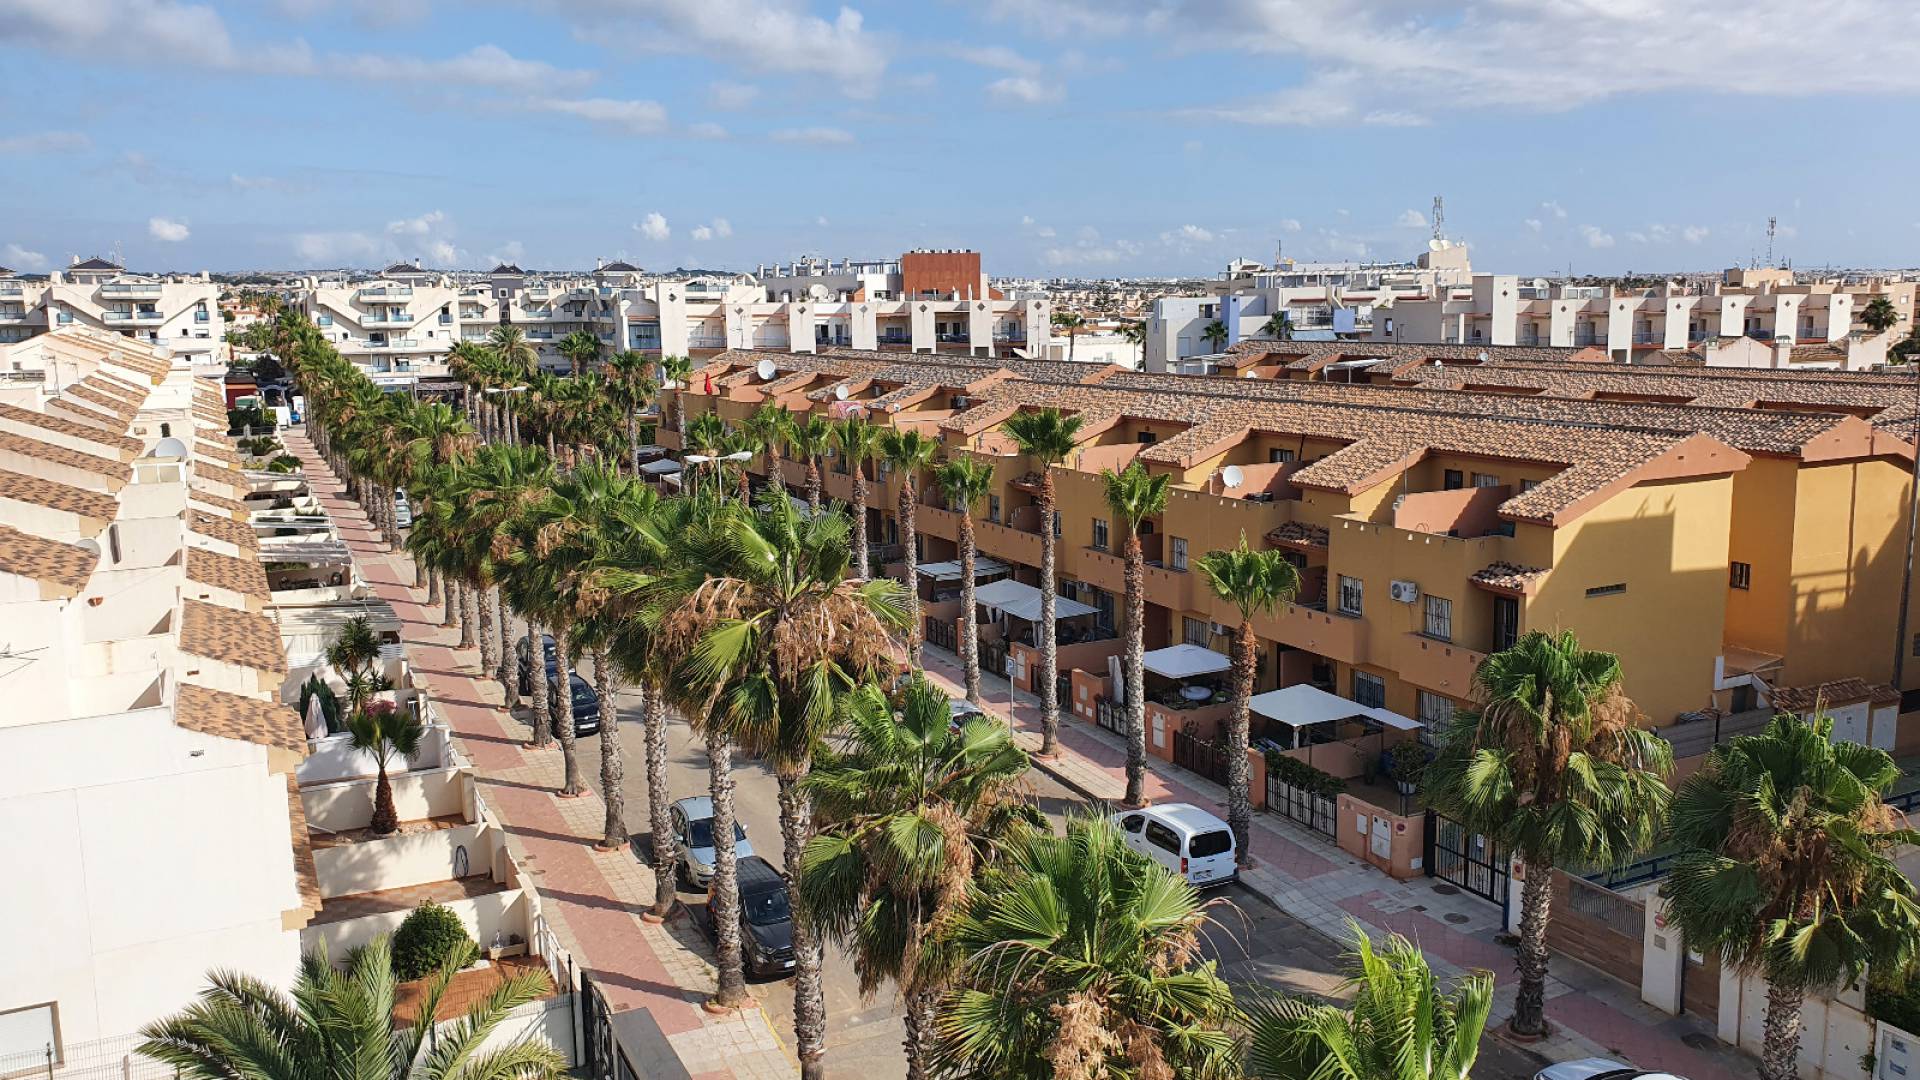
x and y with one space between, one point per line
131 288
952 339
11 288
383 290
1649 337
132 316
1010 335
1696 336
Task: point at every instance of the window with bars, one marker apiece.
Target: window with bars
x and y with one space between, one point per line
1740 575
1100 533
1481 479
1352 593
1195 631
1433 710
1439 618
993 508
1369 690
1178 559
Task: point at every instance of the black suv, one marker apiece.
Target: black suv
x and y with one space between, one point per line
766 919
586 703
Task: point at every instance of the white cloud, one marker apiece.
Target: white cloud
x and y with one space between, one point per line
445 254
706 129
1411 219
1394 118
45 142
816 136
1637 237
1187 234
722 228
998 57
760 36
654 227
725 94
1089 251
1533 224
1022 90
1026 219
1559 212
20 258
702 232
167 230
631 117
336 248
1693 234
821 221
1289 225
416 226
510 252
1046 232
1596 237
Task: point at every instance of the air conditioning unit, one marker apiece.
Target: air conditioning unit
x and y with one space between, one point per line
1404 592
1221 629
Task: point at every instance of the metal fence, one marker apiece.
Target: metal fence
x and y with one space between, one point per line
1199 755
1110 714
1298 804
115 1058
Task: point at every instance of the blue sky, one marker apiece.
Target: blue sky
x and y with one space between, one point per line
1072 137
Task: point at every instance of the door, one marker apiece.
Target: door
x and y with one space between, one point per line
1469 860
1163 845
1130 829
1506 622
1210 856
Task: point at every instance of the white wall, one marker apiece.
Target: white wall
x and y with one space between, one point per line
400 861
337 807
334 758
504 911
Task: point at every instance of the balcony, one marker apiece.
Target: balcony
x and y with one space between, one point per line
12 316
147 290
1649 337
1440 666
378 292
952 339
539 335
704 341
1694 337
11 288
131 316
1010 337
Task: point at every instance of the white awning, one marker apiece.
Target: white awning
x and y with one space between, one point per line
1303 706
952 571
1023 601
1185 661
662 467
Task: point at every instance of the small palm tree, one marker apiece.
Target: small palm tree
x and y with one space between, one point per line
808 437
909 452
1216 334
1046 437
769 426
1251 581
1402 1023
1134 496
1551 764
354 652
675 371
1785 869
1080 958
340 1023
1278 327
385 732
1879 315
966 481
1135 331
858 443
1070 324
581 348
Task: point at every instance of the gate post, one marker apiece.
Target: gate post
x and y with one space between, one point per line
1426 844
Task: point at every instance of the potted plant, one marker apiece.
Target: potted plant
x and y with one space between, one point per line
1408 765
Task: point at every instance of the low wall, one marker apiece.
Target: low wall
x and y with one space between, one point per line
1387 841
1598 927
1086 687
1084 655
399 861
504 912
1204 723
334 758
348 804
548 1022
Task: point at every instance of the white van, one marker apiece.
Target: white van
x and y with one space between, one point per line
402 509
1183 838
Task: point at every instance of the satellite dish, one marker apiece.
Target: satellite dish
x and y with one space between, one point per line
1232 477
840 392
765 369
1483 356
168 447
88 545
1250 374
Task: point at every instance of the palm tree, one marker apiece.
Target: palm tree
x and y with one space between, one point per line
1078 957
1134 496
808 438
510 346
1216 334
1278 327
1402 1023
1785 869
1251 581
676 370
341 1023
1135 331
1071 323
633 387
1879 315
581 348
769 425
355 649
966 481
1550 765
909 452
858 443
1046 438
907 810
380 729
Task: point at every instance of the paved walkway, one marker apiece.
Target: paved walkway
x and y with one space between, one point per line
1308 877
590 899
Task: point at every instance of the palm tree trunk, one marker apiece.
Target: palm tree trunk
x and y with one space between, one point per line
450 601
563 712
653 713
537 683
503 671
613 777
917 1019
487 636
1780 1044
914 630
1049 643
1239 801
731 992
746 487
969 626
633 438
813 484
861 569
809 995
1536 897
433 587
469 614
385 818
1136 674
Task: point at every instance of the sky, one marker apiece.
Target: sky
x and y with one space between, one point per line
1082 138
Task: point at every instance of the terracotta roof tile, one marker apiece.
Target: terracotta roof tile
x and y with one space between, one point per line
85 412
208 470
20 487
117 406
1800 699
244 576
1298 534
41 559
219 527
233 508
237 637
60 455
68 427
203 446
116 388
306 872
235 716
1507 577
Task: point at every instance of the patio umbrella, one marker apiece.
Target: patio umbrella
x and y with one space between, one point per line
316 718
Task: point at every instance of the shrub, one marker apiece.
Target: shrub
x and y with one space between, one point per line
429 938
1303 776
1407 763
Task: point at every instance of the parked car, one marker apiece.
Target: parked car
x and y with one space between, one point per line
526 669
1599 1069
959 711
1183 838
402 509
766 918
586 704
692 821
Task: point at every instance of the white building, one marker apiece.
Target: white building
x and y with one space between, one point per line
180 315
146 771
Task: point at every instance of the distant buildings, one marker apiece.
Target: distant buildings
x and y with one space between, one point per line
179 315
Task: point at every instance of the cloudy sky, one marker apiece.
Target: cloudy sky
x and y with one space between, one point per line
1082 137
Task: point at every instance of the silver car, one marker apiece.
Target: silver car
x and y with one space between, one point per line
693 849
1599 1069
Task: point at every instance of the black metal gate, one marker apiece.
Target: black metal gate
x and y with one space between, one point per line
993 658
1316 812
1471 861
1110 714
599 1053
1198 755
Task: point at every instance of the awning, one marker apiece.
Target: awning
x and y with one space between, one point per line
951 571
663 467
1023 601
1185 661
1303 706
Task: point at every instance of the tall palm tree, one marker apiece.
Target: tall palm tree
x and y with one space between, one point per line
675 371
1277 327
1070 323
353 653
1135 333
1785 869
858 443
581 348
379 729
965 481
631 381
1550 764
808 438
908 810
510 345
341 1023
1133 496
1079 957
1401 1025
1046 437
769 425
1216 334
909 452
1251 581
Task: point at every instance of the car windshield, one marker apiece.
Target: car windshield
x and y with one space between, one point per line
582 696
1218 842
702 833
767 908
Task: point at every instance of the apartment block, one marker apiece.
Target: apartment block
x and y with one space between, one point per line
178 315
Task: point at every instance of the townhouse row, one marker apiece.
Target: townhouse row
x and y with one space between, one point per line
178 315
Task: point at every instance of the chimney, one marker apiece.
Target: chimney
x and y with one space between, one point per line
599 264
416 262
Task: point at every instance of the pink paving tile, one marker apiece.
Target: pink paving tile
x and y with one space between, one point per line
1645 1044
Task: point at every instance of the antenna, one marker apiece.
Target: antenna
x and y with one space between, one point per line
1439 218
1771 222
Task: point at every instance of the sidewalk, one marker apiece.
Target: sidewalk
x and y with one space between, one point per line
590 899
1312 880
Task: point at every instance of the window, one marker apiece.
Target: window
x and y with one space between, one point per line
1528 485
1433 710
1481 479
1740 575
1453 480
1614 589
1163 838
1146 438
1217 842
1056 524
1279 457
1369 690
1100 533
1133 822
1178 560
1194 631
29 1031
993 508
166 430
1103 605
1439 618
1506 622
1351 594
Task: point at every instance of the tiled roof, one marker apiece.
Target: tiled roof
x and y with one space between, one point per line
205 446
117 388
118 406
1507 577
223 528
96 263
151 367
233 508
41 559
68 427
1801 699
237 637
244 576
207 470
60 455
306 872
19 487
234 716
1298 534
85 412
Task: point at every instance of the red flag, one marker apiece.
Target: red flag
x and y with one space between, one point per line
709 382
